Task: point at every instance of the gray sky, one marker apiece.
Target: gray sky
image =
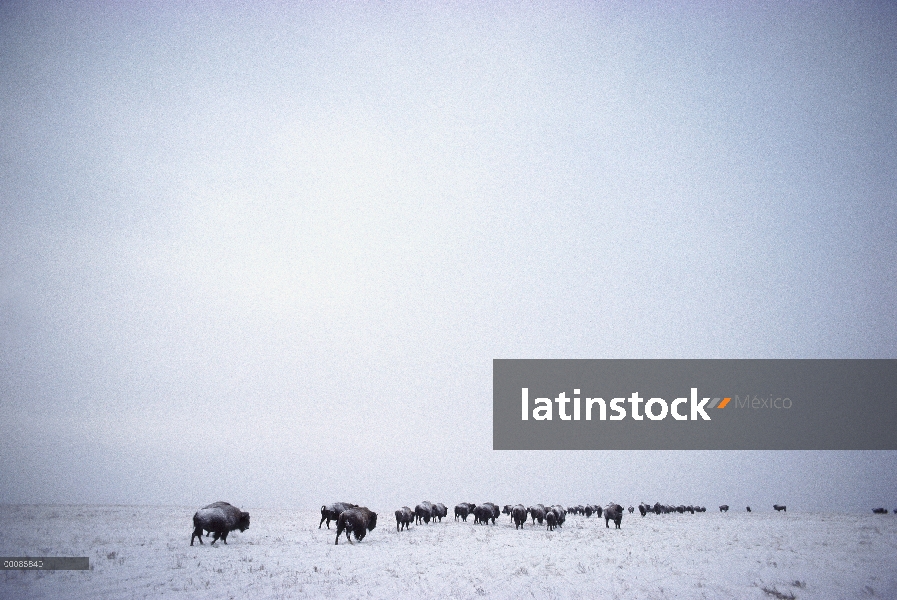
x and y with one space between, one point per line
266 254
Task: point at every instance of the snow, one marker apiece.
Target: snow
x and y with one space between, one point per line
144 552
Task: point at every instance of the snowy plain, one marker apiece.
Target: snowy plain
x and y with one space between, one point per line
144 552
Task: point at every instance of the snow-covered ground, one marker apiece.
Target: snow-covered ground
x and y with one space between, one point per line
144 552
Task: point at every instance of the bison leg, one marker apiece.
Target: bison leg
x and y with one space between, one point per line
224 537
215 538
197 533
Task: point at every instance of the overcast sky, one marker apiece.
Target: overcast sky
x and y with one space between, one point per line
267 253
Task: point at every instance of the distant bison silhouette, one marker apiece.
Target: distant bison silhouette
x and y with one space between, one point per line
423 512
779 508
880 511
496 512
613 512
560 512
749 509
518 515
464 509
331 512
404 517
439 511
358 520
537 512
219 518
482 513
724 508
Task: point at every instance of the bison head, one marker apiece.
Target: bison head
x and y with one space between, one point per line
243 523
373 521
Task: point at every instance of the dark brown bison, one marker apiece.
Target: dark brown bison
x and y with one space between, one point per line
219 518
724 508
551 519
643 509
631 509
404 517
537 512
779 508
331 512
483 512
423 512
358 520
880 511
518 515
613 512
439 511
496 512
562 514
463 510
215 505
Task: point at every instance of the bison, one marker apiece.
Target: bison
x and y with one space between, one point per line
439 511
551 519
463 510
219 518
404 517
215 505
331 512
358 520
483 512
779 508
537 512
423 513
496 512
643 510
749 509
561 514
613 512
518 515
724 508
880 511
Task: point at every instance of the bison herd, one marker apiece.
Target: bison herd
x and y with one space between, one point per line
220 518
882 511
